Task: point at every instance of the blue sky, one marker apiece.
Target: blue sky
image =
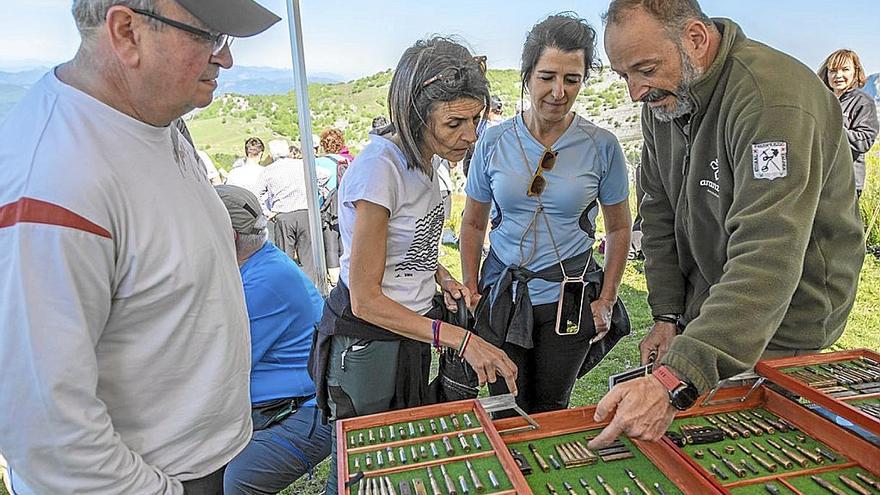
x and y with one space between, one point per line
354 38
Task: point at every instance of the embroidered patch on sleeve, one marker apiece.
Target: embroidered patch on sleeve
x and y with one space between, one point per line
770 160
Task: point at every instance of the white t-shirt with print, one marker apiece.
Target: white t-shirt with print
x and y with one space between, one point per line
380 176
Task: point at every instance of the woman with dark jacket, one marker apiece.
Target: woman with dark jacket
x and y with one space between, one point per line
842 72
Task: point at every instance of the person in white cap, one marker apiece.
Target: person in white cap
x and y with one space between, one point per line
124 336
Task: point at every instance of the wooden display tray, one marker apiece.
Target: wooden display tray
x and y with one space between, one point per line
420 413
663 454
772 370
810 424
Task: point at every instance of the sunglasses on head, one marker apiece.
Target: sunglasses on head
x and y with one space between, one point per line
452 76
538 182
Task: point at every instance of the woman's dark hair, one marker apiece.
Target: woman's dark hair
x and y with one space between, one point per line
254 143
564 31
431 71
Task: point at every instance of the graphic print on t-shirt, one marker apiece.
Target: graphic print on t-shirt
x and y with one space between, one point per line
422 253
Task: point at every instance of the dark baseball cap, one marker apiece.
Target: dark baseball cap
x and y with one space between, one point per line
238 18
243 207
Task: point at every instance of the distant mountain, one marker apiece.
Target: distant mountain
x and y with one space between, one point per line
872 87
246 80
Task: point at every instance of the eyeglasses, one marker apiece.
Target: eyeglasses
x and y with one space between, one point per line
451 76
538 182
218 40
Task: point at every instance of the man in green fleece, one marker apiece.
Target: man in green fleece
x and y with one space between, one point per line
752 237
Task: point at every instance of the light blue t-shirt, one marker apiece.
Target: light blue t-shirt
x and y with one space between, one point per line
590 165
283 307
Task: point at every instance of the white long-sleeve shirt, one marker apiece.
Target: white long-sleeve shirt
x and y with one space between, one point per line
124 350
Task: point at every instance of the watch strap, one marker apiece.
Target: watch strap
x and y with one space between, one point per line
669 379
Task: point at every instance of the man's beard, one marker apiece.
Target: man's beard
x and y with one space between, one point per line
683 104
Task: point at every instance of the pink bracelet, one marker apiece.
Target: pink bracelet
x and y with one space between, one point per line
435 328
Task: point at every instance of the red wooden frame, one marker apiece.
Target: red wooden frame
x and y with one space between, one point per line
771 369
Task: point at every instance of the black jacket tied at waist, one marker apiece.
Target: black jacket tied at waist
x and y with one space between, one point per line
412 358
506 316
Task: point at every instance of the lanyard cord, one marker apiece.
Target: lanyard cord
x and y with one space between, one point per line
534 221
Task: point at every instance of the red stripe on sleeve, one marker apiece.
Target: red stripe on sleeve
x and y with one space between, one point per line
30 210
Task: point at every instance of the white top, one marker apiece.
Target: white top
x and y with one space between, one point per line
380 176
124 341
246 176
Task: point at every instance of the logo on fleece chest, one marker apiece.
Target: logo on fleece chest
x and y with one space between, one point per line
709 182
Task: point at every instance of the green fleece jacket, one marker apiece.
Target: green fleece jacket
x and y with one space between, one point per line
751 227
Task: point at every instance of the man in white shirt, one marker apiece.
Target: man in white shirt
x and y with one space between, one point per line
124 336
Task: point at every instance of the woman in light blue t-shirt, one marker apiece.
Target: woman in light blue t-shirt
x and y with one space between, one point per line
544 175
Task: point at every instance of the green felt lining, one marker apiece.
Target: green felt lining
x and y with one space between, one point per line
441 449
613 472
405 424
480 465
738 454
809 487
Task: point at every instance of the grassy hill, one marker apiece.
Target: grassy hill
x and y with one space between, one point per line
221 128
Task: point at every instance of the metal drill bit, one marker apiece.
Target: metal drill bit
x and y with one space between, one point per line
447 445
746 464
434 452
380 459
368 486
771 488
714 453
357 464
478 485
718 472
423 452
641 486
389 486
569 488
815 459
587 487
659 489
401 454
414 453
785 463
551 490
769 466
828 455
463 442
361 439
377 487
368 461
826 485
433 425
454 420
868 481
738 471
402 431
605 486
383 490
463 484
419 487
390 454
443 425
476 441
493 481
853 485
450 485
541 463
554 462
371 437
381 435
391 433
467 421
412 429
421 429
435 488
352 442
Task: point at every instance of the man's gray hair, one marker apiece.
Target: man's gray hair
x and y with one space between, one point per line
674 15
248 244
90 14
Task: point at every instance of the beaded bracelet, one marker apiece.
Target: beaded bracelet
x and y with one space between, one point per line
435 329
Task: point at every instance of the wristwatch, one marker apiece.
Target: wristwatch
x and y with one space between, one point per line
682 395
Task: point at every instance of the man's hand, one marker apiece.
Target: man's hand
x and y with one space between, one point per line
657 341
641 410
